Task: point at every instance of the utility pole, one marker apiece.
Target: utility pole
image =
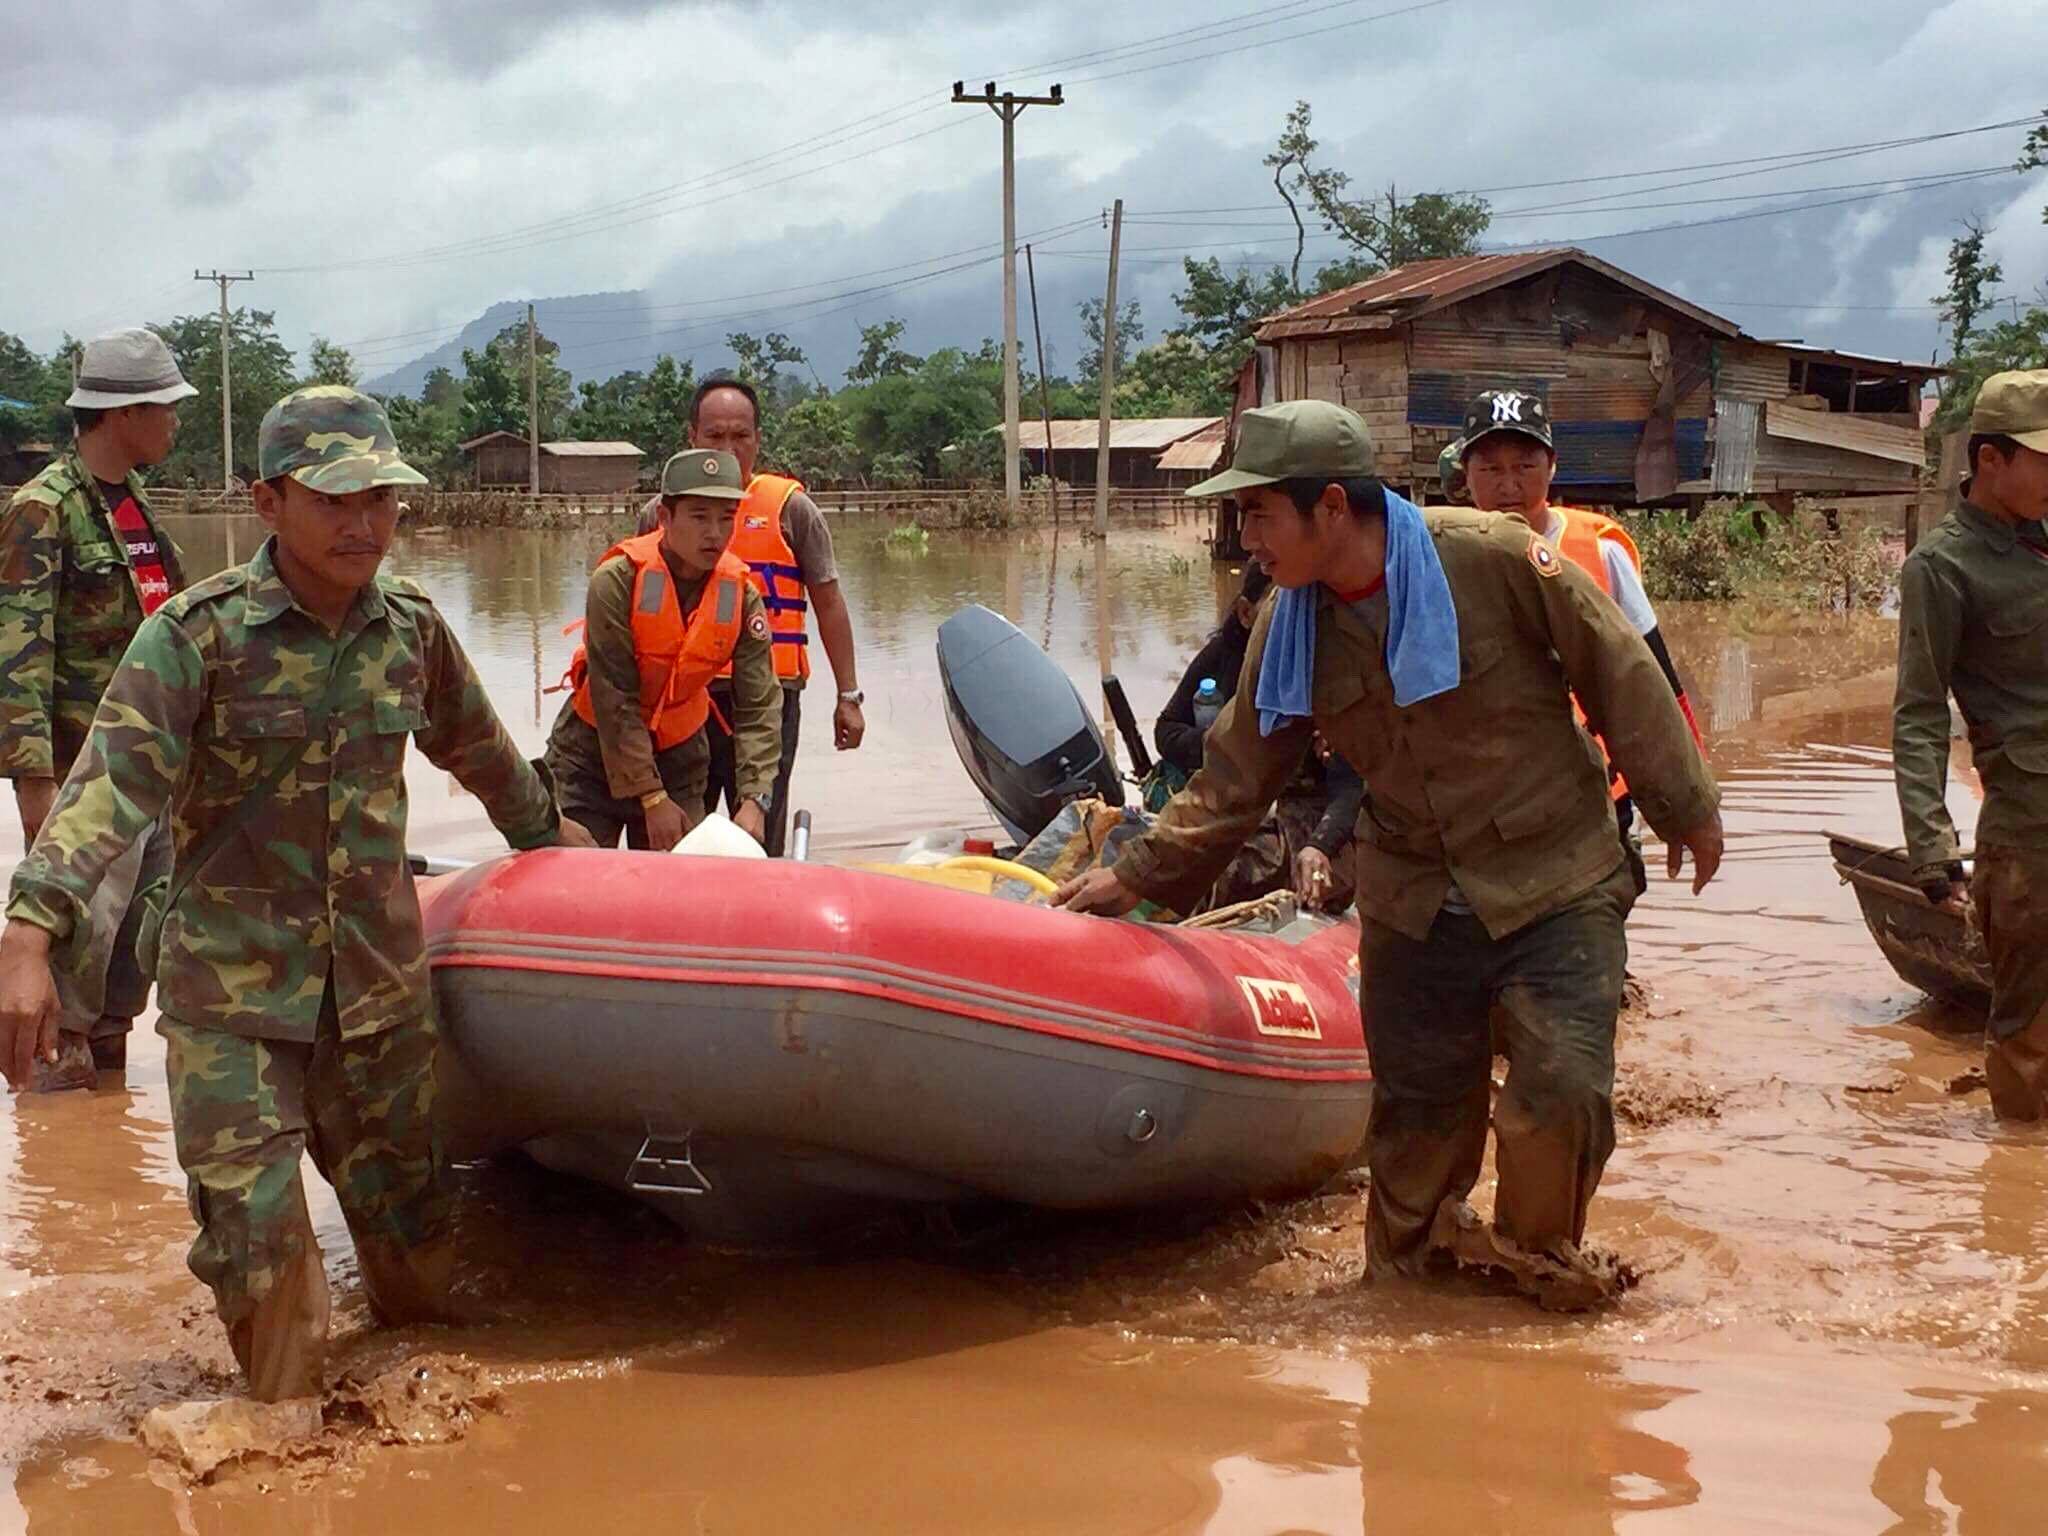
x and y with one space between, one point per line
227 405
1116 235
1052 484
1008 106
532 407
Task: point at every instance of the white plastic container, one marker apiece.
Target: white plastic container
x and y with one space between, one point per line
717 837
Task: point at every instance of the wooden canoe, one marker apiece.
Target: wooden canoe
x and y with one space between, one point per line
1935 950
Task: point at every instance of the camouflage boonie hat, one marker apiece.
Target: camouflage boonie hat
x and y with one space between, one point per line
331 439
703 472
1450 471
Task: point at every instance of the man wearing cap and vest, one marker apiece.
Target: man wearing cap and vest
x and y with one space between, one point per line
1973 622
780 533
668 612
1508 458
82 564
1434 651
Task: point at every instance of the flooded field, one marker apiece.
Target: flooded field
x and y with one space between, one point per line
1844 1324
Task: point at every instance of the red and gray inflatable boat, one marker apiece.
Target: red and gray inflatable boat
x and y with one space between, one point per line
764 1048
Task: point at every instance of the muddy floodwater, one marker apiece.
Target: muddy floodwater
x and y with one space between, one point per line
1843 1325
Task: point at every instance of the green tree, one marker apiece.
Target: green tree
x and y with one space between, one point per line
427 435
1383 233
262 371
1223 309
1174 378
441 388
2021 342
880 357
1130 330
912 419
492 399
1969 278
1291 153
761 361
554 392
814 441
40 386
328 364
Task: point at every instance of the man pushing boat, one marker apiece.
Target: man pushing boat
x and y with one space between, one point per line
1439 652
268 708
668 612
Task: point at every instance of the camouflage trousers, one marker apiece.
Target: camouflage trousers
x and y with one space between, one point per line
2009 896
1427 1006
243 1111
1266 862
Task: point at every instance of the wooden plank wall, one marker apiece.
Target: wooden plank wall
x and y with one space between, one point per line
1367 373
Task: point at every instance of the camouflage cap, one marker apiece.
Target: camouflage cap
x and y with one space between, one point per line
703 472
1296 440
331 439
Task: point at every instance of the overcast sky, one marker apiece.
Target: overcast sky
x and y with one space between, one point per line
668 172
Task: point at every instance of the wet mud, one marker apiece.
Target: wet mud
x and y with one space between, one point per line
1841 1320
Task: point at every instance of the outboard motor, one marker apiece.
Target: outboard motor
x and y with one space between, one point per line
1020 727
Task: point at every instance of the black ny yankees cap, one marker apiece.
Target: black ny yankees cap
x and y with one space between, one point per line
1505 410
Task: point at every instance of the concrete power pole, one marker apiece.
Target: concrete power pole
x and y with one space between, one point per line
227 405
532 407
1008 106
1116 236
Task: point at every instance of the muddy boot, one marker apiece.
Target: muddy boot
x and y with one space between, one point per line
411 1284
110 1044
73 1067
282 1344
1567 1281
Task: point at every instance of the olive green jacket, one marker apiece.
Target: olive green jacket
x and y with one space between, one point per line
1493 784
1973 621
68 609
313 885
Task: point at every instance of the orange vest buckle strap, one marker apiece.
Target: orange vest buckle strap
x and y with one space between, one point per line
758 539
677 656
1580 544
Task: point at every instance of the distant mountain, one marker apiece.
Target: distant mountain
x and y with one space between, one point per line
572 321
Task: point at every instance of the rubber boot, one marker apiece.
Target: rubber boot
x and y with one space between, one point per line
409 1284
282 1344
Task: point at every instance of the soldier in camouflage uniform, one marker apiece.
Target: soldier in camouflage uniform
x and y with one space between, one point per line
268 708
82 563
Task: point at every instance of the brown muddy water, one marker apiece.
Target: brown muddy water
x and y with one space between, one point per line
1844 1324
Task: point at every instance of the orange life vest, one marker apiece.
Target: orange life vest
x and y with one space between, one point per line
757 538
677 657
1580 544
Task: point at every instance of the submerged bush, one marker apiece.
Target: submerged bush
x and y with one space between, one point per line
1747 551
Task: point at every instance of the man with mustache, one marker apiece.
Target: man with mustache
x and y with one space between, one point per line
268 709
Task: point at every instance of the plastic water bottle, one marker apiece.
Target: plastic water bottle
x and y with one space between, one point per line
1208 703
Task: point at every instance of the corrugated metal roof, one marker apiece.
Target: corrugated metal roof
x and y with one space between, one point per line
1423 287
599 450
475 441
1858 359
1201 451
1145 432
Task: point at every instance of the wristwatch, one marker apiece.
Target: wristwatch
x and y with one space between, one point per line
652 798
852 696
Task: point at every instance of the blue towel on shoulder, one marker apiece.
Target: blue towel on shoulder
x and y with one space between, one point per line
1422 628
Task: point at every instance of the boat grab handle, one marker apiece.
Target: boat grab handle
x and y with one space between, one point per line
1008 869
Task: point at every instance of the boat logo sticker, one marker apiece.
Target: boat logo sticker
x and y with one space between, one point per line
1281 1008
1542 556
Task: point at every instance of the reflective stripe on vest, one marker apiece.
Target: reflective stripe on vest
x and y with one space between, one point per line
676 658
1579 542
758 539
